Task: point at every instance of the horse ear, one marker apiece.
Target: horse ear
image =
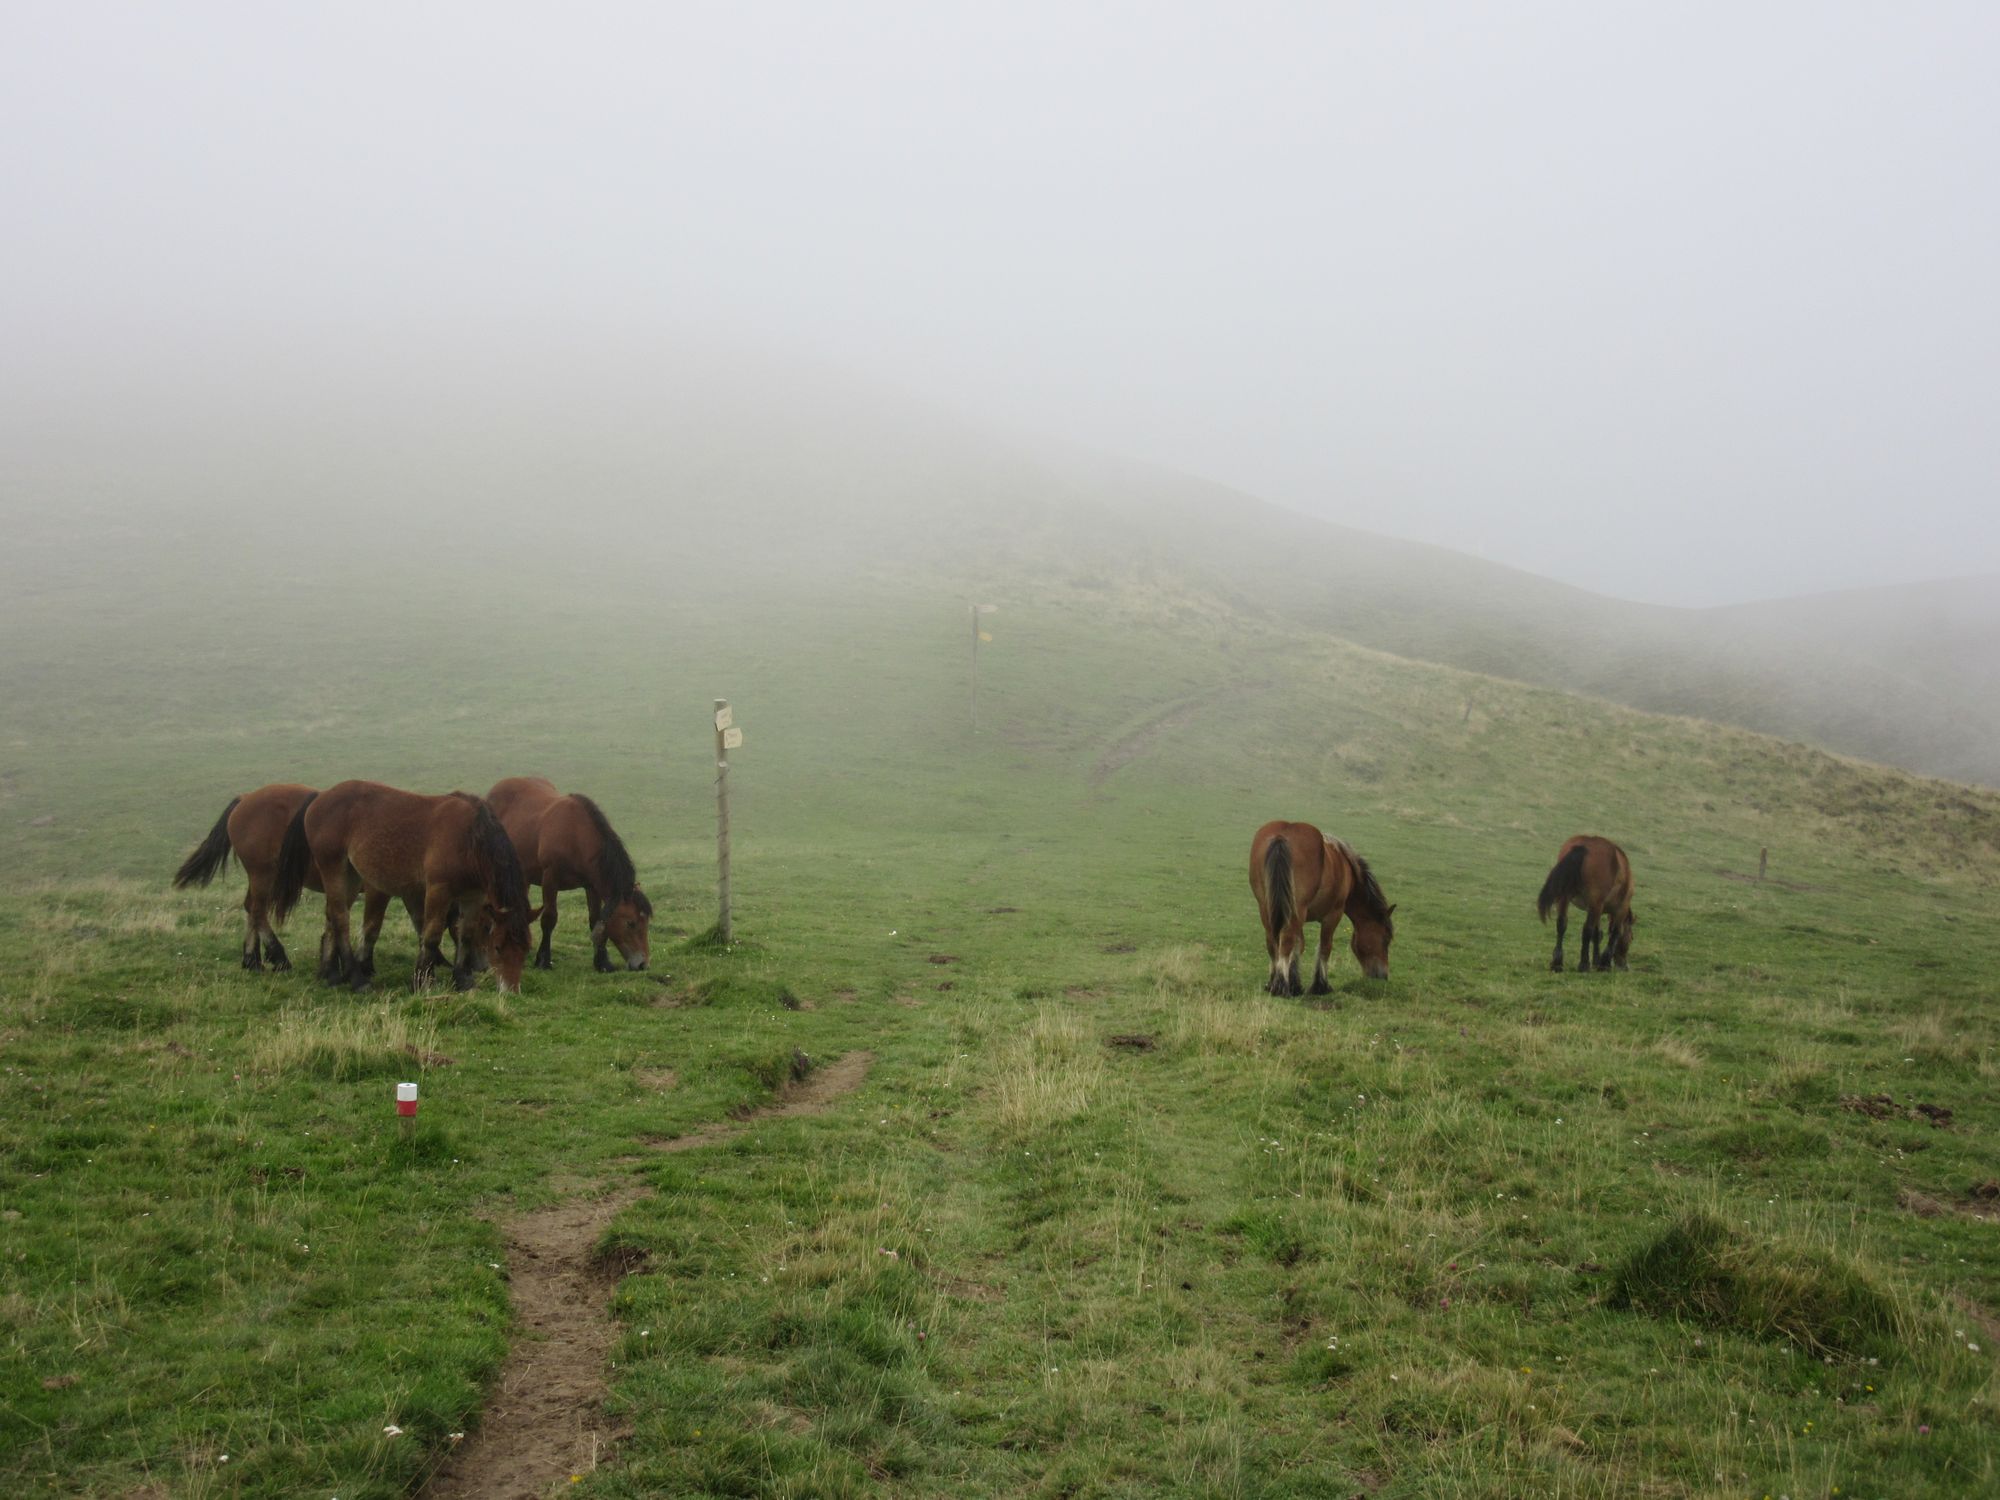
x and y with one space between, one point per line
1392 908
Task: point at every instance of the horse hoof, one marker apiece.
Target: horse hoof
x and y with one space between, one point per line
602 964
281 966
251 965
543 961
463 982
1320 987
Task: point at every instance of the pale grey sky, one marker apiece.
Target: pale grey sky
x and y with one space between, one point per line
1688 302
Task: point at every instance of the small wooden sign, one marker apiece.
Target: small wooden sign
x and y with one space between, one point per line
732 739
724 717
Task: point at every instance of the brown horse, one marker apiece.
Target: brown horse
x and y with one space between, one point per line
1299 876
433 853
566 843
252 827
1595 873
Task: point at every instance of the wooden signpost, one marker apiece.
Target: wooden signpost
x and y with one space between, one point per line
727 738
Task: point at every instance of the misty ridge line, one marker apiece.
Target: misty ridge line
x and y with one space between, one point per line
707 474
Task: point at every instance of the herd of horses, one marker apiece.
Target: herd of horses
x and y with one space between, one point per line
1299 875
461 866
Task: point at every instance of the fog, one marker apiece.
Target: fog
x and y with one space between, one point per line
1685 304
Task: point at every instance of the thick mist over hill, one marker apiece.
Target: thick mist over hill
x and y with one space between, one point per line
522 486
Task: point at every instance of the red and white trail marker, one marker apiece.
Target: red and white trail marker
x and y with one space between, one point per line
406 1100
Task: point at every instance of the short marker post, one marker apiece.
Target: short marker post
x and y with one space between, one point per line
406 1108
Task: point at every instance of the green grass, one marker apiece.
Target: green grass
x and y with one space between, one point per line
1481 1230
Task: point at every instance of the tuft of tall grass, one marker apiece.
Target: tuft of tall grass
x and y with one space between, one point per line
339 1041
1046 1073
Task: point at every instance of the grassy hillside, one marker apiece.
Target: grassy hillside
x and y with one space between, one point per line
684 470
1100 1219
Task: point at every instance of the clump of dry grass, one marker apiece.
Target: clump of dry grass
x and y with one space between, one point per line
1176 970
1046 1073
1206 1020
343 1041
1681 1053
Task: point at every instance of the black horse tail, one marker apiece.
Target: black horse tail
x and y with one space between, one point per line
294 860
615 876
202 866
499 870
1565 882
1278 883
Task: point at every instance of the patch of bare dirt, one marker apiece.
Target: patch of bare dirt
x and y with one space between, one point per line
681 997
944 958
796 1002
545 1418
1884 1107
425 1058
810 1095
1136 1041
659 1080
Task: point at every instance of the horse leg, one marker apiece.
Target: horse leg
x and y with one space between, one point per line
430 942
543 958
1292 945
1620 947
374 906
1326 930
252 918
336 950
599 959
1593 937
259 903
1562 929
1274 985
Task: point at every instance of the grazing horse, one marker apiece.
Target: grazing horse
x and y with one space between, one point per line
1595 873
251 827
1299 876
566 843
432 853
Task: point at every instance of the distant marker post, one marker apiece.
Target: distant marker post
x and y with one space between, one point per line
406 1108
727 738
977 611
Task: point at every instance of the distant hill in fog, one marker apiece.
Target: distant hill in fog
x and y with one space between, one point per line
699 474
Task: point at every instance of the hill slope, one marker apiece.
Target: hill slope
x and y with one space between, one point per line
710 475
1099 1217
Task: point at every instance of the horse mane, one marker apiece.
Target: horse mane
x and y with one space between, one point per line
499 868
614 865
1367 889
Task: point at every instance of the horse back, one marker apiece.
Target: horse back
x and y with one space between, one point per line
1607 873
398 842
1310 865
522 805
571 845
257 828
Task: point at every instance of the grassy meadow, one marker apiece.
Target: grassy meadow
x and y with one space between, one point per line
1102 1219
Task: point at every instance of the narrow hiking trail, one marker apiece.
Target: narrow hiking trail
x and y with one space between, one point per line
545 1419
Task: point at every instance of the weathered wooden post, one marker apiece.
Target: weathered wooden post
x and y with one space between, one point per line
1763 863
727 738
